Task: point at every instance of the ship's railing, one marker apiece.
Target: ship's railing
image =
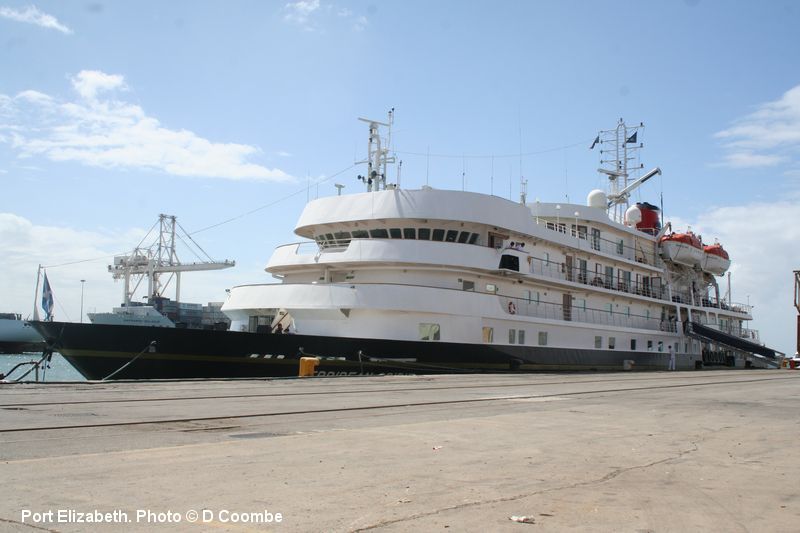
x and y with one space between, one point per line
722 304
597 243
653 288
573 313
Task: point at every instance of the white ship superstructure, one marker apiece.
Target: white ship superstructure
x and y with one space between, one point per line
549 285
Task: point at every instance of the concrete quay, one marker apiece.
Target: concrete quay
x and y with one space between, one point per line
639 452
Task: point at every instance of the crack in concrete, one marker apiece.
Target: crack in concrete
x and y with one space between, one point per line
17 522
608 477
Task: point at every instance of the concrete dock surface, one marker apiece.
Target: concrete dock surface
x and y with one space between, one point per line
639 452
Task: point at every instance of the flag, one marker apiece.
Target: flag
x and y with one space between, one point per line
632 138
47 299
596 140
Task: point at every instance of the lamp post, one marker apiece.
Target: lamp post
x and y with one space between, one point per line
83 281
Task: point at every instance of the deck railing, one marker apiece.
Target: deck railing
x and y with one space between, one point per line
572 313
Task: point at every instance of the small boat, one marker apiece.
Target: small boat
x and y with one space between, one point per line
715 259
683 248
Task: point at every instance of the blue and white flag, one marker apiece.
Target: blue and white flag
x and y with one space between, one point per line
47 299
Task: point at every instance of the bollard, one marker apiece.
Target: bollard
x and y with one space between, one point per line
307 366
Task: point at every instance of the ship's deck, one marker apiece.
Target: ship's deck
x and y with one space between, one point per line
681 451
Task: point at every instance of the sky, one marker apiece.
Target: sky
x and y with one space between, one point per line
231 115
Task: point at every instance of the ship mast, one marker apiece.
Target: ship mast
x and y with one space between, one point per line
619 156
159 258
378 155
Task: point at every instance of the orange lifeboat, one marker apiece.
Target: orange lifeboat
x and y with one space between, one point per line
716 259
684 248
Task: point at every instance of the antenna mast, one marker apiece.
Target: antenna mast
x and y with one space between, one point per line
619 156
378 155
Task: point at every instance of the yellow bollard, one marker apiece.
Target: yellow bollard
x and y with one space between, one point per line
307 366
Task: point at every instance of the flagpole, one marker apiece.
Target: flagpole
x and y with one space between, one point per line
36 294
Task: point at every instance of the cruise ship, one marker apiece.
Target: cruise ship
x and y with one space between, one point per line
392 280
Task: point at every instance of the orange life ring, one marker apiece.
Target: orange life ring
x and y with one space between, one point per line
512 309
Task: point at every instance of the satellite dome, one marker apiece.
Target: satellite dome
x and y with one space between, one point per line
598 199
633 216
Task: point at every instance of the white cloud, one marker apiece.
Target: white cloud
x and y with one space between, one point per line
308 14
767 137
300 12
98 130
32 15
764 253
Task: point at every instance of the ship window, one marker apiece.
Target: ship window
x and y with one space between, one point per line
395 233
649 346
598 341
342 235
633 344
488 334
429 332
438 235
595 239
612 343
542 338
473 238
512 336
379 233
424 234
360 234
409 233
463 237
660 346
521 337
451 235
609 276
621 247
329 237
610 308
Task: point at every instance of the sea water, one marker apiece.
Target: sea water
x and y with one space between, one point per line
58 369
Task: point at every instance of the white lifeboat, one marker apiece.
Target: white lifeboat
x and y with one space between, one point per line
715 259
683 248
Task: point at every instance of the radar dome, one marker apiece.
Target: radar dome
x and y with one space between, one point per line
633 216
598 199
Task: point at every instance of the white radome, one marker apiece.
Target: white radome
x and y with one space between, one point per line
633 216
597 199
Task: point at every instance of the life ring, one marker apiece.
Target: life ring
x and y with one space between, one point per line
512 309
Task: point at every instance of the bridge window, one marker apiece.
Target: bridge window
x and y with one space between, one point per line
409 233
451 235
473 238
360 234
424 234
395 233
379 234
342 235
438 235
463 237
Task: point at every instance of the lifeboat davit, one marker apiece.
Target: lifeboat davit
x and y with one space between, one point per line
715 259
683 248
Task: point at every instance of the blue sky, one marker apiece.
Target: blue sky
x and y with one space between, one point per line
111 113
